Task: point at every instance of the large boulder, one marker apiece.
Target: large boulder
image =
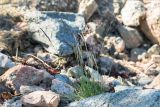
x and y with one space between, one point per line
60 30
151 25
125 98
133 12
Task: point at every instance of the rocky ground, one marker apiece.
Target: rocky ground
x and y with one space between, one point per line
48 46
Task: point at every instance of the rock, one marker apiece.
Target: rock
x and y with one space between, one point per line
56 5
121 56
151 25
115 42
38 49
144 80
136 52
98 26
5 63
47 57
23 75
62 32
90 39
105 24
154 50
28 89
13 103
87 8
126 98
114 6
62 88
93 73
122 88
155 58
75 72
155 83
63 78
131 36
41 99
109 82
4 91
43 5
92 26
133 12
106 65
119 44
3 88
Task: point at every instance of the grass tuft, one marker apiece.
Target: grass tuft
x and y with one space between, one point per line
88 88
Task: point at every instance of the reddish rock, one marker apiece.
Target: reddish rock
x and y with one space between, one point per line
23 75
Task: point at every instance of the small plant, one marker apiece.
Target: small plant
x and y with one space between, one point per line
88 88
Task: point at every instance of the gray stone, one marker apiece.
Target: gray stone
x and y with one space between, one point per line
106 64
87 8
62 88
13 103
122 88
144 80
61 28
5 63
133 12
126 98
75 72
63 78
114 6
56 5
93 73
136 52
131 36
47 57
28 89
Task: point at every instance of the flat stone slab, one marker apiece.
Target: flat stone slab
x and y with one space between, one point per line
126 98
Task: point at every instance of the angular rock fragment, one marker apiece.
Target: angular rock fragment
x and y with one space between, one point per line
87 8
62 88
23 75
131 36
60 30
41 99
